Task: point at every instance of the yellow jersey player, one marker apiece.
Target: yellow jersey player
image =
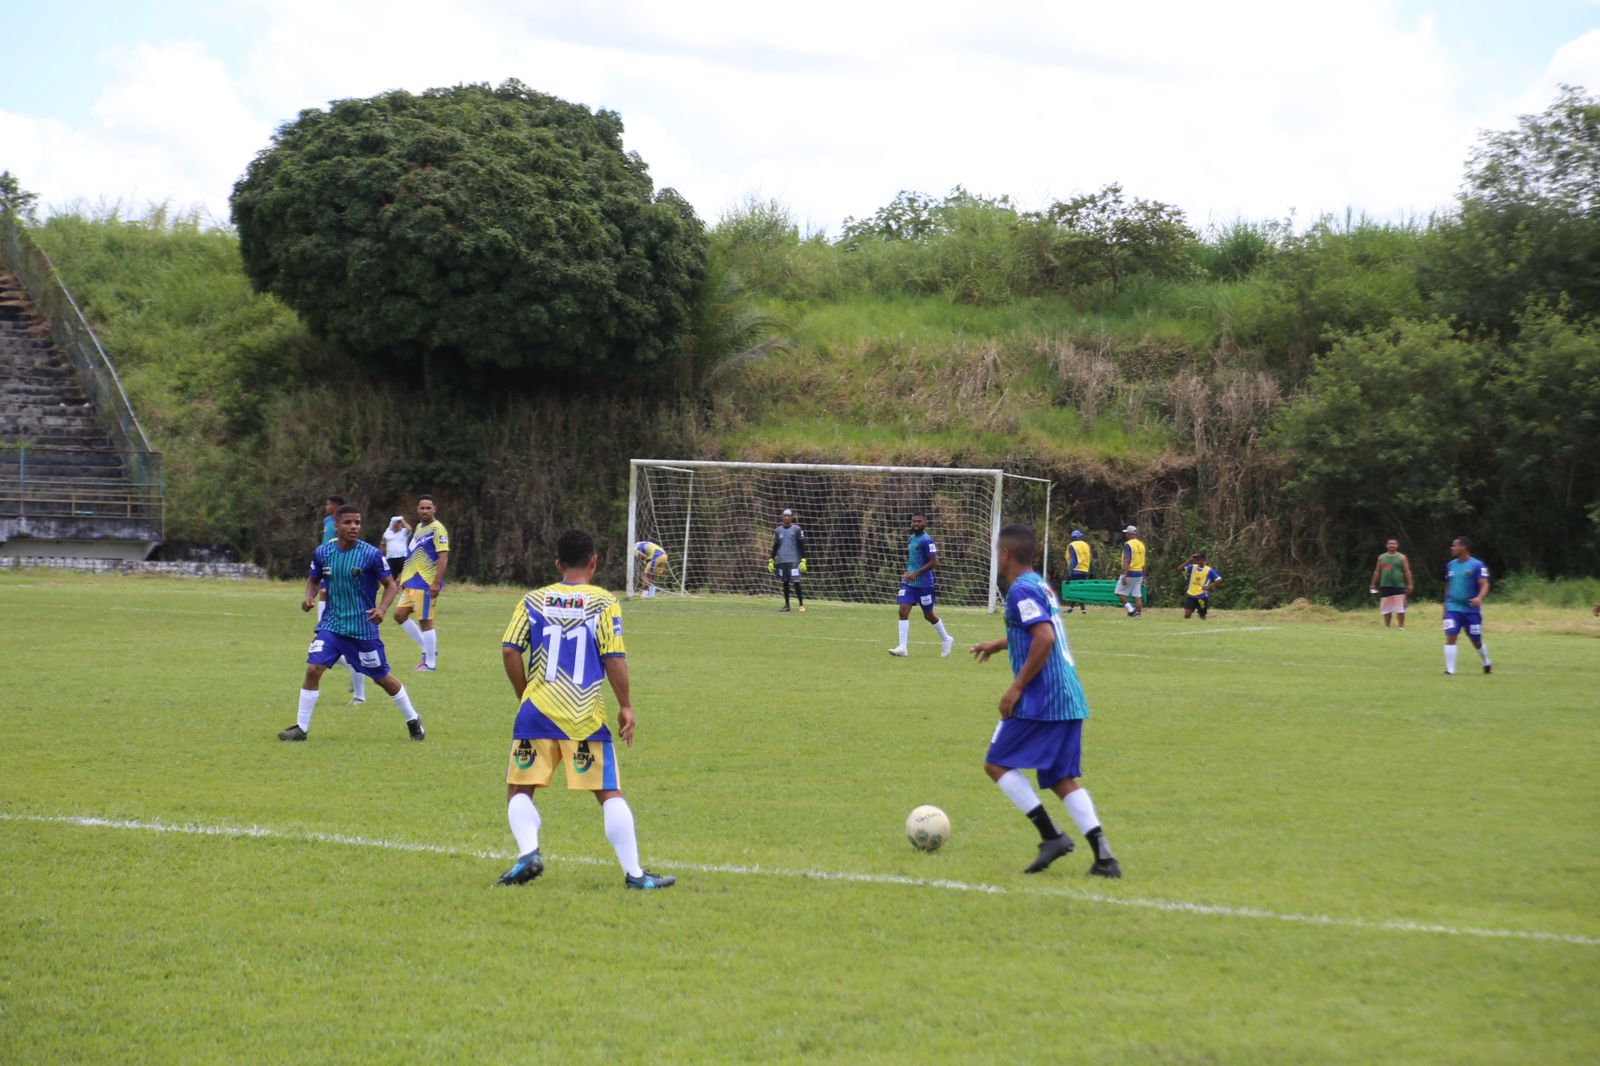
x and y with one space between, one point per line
563 640
652 559
422 581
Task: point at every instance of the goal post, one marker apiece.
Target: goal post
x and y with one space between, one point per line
715 521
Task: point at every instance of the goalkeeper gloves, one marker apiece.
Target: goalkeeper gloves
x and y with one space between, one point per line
772 566
802 566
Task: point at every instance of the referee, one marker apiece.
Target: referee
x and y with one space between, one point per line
787 558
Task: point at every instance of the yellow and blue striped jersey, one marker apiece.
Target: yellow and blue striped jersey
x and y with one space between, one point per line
422 565
565 632
648 551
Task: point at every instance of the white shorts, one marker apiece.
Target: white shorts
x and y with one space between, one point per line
1130 586
1392 604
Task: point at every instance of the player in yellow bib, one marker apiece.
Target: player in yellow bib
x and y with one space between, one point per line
563 640
422 582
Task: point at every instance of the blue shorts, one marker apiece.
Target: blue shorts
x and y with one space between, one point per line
364 656
1052 749
1471 621
911 594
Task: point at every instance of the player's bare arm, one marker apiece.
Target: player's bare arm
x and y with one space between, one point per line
617 675
437 587
1043 636
516 670
1410 583
926 568
391 589
1483 593
313 588
985 648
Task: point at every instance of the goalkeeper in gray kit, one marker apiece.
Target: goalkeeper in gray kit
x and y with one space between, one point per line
787 558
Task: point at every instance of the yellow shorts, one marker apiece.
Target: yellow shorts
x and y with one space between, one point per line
657 566
419 600
591 764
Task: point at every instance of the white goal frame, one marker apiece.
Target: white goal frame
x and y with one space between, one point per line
994 476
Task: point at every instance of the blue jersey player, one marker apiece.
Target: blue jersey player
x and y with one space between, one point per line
1042 713
1466 583
354 571
916 587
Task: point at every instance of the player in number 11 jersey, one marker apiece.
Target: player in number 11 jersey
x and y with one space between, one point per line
563 640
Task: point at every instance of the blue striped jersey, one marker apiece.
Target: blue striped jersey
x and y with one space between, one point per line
1054 694
353 577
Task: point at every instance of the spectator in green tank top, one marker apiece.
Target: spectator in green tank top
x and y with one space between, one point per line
1391 581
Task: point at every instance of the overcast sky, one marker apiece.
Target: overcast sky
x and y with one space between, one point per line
1231 108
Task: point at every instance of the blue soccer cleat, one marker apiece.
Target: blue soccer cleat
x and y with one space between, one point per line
648 880
525 869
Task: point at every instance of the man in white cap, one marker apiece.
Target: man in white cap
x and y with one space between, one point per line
787 558
1130 586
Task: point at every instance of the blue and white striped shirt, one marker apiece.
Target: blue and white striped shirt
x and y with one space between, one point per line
1055 693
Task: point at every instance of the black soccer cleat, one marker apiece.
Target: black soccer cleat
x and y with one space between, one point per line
294 732
525 869
785 607
1488 669
648 880
1049 852
1105 868
414 727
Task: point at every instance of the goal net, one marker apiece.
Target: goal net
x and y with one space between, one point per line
715 521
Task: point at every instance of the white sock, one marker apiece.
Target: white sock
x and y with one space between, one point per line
413 631
1449 658
619 830
1018 791
524 819
402 700
1483 653
430 647
322 605
358 685
1081 808
938 627
905 632
308 703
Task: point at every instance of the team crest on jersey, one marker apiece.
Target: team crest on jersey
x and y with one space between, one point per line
355 571
524 755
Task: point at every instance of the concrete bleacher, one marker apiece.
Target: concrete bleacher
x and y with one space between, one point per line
65 489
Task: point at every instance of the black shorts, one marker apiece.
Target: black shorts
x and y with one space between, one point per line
1196 602
788 572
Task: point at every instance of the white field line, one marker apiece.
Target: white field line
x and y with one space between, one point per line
1391 925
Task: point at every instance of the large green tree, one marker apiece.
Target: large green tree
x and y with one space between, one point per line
468 227
1528 228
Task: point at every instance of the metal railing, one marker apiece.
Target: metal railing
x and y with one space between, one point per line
39 488
74 338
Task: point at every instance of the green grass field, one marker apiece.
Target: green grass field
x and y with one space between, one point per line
1332 852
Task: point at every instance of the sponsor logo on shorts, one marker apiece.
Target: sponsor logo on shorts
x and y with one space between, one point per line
524 755
927 601
369 659
316 646
583 758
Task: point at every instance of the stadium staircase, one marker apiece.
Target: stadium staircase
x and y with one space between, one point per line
77 480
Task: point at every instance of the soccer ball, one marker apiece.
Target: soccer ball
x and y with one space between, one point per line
927 828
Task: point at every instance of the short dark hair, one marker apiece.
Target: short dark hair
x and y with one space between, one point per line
335 499
1020 541
575 549
424 496
345 509
1466 542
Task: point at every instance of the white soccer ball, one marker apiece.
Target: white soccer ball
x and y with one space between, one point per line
927 828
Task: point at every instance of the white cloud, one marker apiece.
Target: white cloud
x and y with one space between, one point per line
1249 108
